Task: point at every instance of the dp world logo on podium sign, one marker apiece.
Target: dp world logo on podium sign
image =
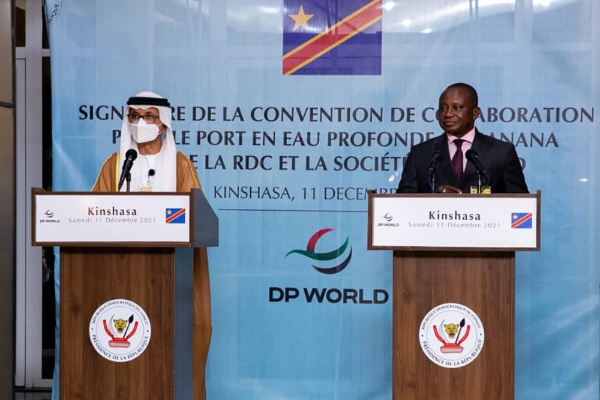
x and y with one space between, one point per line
47 217
388 221
120 330
451 335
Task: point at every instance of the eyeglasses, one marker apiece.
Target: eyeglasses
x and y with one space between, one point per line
135 117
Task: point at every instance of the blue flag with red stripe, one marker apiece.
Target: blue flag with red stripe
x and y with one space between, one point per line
175 216
521 220
336 37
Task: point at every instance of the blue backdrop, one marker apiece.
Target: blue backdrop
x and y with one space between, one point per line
291 110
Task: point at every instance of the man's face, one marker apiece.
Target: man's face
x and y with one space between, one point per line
148 115
457 112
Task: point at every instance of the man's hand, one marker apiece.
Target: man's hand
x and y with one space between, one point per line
447 189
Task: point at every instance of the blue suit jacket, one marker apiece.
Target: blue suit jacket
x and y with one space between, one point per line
499 159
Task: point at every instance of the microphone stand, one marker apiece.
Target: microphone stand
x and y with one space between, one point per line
435 159
478 181
128 180
431 179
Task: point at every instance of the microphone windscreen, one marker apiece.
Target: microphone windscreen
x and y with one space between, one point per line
131 153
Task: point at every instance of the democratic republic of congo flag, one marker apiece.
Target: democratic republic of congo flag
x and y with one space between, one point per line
175 215
521 220
332 37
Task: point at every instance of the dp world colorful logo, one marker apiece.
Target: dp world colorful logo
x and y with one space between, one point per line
49 213
327 256
388 217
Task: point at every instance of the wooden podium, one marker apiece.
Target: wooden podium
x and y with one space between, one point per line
129 294
454 289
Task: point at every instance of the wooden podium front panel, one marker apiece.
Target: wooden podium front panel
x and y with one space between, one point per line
481 281
89 277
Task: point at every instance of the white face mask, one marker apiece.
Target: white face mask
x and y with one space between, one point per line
142 132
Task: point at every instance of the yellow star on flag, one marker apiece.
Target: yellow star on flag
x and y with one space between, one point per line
301 19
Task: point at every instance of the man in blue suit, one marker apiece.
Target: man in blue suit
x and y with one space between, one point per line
462 158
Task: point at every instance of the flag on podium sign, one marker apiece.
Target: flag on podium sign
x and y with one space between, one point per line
521 220
337 37
175 216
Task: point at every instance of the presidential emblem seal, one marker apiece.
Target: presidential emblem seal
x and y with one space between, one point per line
451 335
120 330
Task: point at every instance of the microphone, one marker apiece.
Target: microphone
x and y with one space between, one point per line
130 156
474 158
435 159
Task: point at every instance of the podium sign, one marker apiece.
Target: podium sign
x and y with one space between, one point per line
454 222
72 219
